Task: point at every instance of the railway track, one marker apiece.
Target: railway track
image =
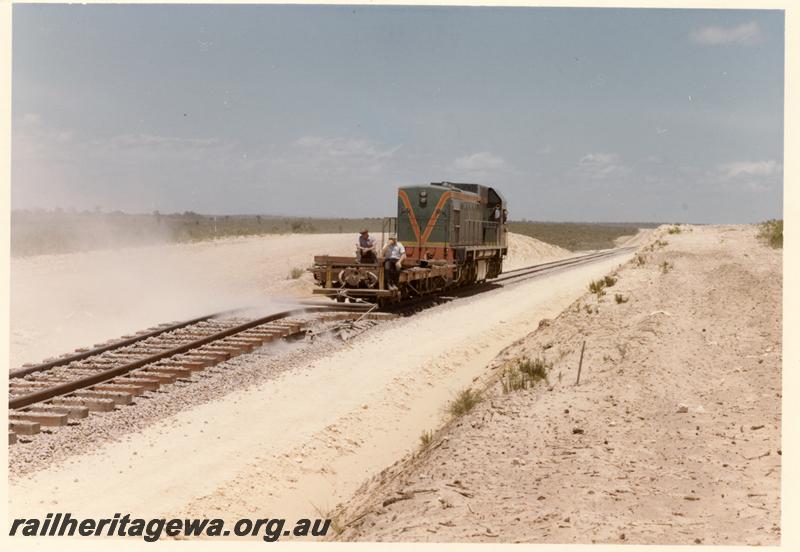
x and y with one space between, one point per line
524 273
507 278
63 390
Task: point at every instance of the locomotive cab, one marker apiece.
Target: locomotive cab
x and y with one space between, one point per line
451 221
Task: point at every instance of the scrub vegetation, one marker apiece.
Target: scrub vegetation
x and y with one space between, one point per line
577 236
598 286
464 401
771 232
59 231
525 374
39 232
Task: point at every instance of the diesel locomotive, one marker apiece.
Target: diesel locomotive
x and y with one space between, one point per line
454 234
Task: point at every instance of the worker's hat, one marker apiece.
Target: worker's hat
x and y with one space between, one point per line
365 231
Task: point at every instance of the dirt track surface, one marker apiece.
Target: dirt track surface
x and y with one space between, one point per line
286 434
672 436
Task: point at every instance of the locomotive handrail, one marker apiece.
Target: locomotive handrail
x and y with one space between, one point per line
391 222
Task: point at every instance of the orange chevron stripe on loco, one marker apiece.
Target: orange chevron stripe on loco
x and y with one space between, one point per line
442 200
432 222
404 198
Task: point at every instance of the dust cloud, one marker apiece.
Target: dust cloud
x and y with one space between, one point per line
61 302
65 301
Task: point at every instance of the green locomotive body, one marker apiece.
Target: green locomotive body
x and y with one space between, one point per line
454 234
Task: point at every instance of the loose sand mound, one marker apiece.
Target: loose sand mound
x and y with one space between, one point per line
524 250
61 302
640 238
672 436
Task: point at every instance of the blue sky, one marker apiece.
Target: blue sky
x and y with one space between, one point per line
574 114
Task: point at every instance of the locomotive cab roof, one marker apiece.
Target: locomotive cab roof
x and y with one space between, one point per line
487 195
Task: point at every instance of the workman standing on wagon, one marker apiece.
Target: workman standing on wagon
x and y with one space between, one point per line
365 248
393 256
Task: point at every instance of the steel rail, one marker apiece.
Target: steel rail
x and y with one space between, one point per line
548 263
412 305
104 375
119 344
520 272
68 387
61 361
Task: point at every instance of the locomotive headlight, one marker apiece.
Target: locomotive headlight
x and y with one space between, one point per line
423 198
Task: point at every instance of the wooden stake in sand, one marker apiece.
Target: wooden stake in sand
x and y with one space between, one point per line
580 363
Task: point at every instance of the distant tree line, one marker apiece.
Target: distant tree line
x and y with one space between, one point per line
39 231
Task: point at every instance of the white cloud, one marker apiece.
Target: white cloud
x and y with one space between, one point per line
480 162
30 119
326 158
749 168
143 140
746 33
599 158
601 165
133 148
345 147
748 176
34 140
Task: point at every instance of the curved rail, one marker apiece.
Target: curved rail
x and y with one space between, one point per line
524 271
64 360
121 343
22 401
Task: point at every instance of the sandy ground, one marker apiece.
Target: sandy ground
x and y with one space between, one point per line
642 237
672 437
61 302
302 440
524 251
